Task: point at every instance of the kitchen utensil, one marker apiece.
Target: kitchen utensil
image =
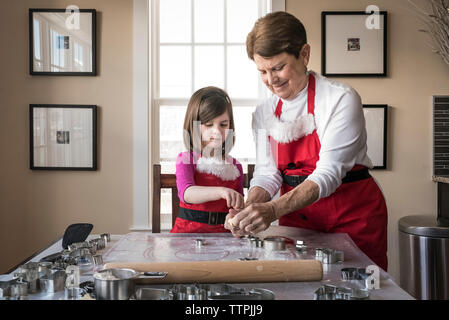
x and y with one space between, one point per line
253 294
74 293
77 232
274 244
119 283
74 233
229 271
152 294
106 237
329 256
54 282
333 292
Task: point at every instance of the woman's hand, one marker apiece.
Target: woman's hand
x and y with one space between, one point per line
253 219
228 224
233 198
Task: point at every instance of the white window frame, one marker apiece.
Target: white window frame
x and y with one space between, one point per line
145 113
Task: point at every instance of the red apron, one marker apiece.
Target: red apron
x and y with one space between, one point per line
356 208
206 179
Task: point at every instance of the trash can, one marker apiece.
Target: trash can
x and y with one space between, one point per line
424 257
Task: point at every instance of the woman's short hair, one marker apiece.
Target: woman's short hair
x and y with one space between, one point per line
205 105
275 33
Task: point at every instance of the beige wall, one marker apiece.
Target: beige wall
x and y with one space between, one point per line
37 206
414 75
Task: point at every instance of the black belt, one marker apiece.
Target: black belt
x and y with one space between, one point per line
351 176
209 217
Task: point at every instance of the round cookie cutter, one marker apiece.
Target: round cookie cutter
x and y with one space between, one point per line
274 243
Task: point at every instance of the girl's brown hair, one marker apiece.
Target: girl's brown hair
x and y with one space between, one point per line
275 33
205 105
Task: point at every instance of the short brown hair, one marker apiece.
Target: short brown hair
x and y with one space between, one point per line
204 105
275 33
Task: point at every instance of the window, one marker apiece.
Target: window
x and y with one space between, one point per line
37 43
200 43
57 51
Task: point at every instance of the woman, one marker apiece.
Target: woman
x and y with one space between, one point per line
311 144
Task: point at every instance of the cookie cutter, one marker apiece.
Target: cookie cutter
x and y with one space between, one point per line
354 274
152 294
106 237
252 294
254 241
199 243
73 276
74 293
54 282
18 288
332 292
329 256
30 273
97 260
359 275
99 243
274 244
300 246
15 289
4 289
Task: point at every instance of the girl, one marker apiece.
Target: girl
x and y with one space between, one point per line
209 181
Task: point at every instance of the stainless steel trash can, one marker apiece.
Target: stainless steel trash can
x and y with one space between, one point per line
424 257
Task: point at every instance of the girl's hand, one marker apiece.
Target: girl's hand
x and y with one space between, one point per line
228 222
233 198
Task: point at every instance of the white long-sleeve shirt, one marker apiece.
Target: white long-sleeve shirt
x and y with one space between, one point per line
340 126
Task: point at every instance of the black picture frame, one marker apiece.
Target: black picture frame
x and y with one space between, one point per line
45 62
350 59
376 118
56 137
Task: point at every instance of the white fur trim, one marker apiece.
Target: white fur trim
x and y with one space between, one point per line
225 170
288 131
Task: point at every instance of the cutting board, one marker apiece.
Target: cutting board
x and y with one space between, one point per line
228 271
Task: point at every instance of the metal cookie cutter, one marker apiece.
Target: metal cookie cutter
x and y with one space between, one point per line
73 277
274 244
358 275
74 293
354 274
54 282
300 246
30 273
97 260
329 256
15 289
18 288
331 292
254 242
199 243
106 237
100 243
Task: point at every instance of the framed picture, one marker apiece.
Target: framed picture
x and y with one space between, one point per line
62 42
376 130
63 137
354 44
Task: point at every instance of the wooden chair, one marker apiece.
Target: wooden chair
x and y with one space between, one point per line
168 181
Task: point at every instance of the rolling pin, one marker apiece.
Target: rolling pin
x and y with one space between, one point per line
228 271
